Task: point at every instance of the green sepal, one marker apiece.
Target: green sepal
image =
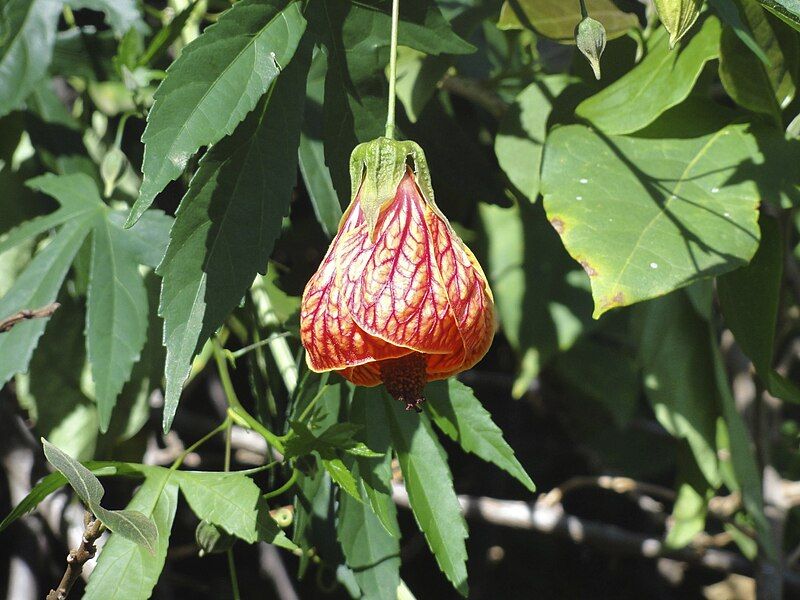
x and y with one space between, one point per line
376 169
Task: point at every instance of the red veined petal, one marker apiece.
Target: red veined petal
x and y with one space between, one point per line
469 297
392 285
331 337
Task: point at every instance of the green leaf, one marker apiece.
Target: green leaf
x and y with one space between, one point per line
231 501
37 286
657 215
121 15
728 11
366 409
146 241
749 298
430 490
764 88
460 415
605 373
132 411
55 481
130 524
556 19
116 317
83 52
227 223
418 76
125 570
76 195
311 153
691 504
676 365
422 27
787 11
81 479
342 476
662 80
371 551
48 484
523 128
541 295
27 36
215 82
742 451
51 390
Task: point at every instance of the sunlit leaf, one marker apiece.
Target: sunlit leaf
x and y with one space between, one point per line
430 491
662 80
212 86
647 216
27 36
227 223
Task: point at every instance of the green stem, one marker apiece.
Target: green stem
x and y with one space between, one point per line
235 407
584 12
228 446
234 580
220 428
283 488
314 400
242 351
392 70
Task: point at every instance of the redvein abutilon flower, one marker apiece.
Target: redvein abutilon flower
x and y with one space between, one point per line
398 299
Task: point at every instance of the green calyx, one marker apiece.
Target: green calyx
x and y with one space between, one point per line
376 169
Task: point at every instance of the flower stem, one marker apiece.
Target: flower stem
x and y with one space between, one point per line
392 70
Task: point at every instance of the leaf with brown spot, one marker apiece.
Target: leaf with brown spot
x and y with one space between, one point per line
659 214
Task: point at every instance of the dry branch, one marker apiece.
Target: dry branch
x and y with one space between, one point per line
78 557
553 520
27 314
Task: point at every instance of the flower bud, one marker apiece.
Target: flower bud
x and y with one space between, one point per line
678 16
590 37
111 168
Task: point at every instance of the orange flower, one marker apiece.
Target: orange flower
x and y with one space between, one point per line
398 299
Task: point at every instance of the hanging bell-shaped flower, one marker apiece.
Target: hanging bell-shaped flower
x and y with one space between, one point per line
398 299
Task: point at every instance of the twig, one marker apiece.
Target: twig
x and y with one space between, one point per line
620 485
28 313
553 520
78 557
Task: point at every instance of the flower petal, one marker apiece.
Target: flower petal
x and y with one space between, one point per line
331 337
469 296
392 285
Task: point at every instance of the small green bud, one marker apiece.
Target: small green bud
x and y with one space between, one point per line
678 16
111 168
590 37
212 539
